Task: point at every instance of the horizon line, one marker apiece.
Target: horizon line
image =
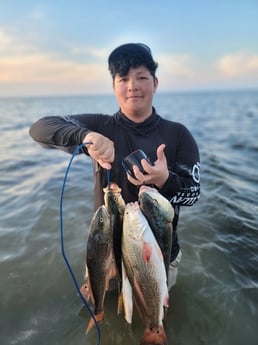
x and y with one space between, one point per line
162 92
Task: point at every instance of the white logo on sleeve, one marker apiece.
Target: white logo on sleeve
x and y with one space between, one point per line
196 172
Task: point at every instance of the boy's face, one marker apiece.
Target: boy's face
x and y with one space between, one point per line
134 93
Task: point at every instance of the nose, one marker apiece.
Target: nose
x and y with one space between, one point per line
132 85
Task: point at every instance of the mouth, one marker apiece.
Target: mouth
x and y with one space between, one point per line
134 97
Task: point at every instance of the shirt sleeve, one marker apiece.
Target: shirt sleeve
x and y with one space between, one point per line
183 184
64 133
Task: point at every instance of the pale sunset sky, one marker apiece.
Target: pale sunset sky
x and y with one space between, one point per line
58 47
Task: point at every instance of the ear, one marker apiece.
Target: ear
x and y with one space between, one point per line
156 83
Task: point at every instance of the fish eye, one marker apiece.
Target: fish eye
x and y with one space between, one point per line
101 219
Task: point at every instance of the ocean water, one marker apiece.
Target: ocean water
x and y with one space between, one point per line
215 300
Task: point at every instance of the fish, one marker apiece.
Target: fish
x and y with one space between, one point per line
113 199
115 205
99 258
159 213
145 269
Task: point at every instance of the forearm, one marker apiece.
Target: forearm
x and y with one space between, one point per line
183 184
55 131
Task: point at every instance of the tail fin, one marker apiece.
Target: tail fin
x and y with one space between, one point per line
99 318
154 336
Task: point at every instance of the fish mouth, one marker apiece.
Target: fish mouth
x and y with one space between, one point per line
145 188
103 210
113 187
134 205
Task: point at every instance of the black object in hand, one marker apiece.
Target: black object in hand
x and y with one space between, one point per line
132 159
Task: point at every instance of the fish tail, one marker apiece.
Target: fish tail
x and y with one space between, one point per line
154 336
120 303
99 317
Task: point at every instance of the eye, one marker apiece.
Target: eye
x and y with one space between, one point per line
155 202
122 80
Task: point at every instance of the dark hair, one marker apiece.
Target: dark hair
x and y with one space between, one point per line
131 55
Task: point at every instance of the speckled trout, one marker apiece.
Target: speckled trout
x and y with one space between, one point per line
99 259
145 269
159 213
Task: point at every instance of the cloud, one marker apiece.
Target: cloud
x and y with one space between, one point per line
177 65
27 65
238 65
4 39
89 51
176 71
27 68
43 68
11 46
184 71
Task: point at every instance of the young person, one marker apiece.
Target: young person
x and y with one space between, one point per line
169 146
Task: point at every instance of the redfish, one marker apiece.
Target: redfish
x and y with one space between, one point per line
145 269
99 258
159 213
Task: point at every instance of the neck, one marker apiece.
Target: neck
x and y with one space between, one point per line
137 117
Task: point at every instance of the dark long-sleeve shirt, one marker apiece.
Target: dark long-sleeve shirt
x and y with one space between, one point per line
183 184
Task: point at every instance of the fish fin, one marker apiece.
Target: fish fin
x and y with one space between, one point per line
85 291
154 336
165 313
139 299
98 317
113 270
166 300
89 291
86 272
126 294
112 281
120 304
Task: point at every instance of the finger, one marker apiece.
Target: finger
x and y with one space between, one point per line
107 156
110 154
147 167
160 152
138 174
104 165
132 180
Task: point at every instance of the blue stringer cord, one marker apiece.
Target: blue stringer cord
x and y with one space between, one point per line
76 151
108 179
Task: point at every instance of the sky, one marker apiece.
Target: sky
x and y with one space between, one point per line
59 47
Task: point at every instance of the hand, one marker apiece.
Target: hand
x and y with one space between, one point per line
101 150
157 174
